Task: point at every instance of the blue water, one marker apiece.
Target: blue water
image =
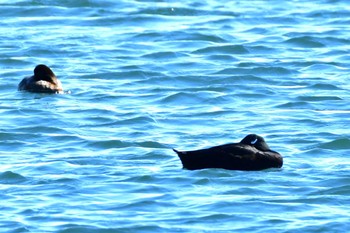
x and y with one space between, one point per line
147 76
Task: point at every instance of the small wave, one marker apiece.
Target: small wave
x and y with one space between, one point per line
318 98
108 144
225 49
260 71
137 120
260 49
338 144
296 104
141 227
318 67
236 78
10 177
305 42
171 11
325 86
131 72
181 97
150 144
272 71
222 57
162 55
179 36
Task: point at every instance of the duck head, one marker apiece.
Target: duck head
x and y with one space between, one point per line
256 141
42 72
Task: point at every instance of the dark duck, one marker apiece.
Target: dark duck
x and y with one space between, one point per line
251 154
43 81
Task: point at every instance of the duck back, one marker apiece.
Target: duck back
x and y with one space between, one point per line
43 81
234 156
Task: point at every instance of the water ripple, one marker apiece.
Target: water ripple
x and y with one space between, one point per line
146 76
11 178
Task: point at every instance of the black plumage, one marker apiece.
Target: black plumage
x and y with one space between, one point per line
43 81
251 154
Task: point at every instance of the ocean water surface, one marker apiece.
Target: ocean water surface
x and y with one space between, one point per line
143 77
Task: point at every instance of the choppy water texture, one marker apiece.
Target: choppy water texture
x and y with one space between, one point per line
147 76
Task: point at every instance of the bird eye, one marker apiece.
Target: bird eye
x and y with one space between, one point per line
254 141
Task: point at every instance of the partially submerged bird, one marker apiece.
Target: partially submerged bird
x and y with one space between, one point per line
251 154
43 80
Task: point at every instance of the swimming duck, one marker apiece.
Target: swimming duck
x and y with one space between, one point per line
251 154
43 80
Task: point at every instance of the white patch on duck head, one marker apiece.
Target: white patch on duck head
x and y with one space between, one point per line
254 141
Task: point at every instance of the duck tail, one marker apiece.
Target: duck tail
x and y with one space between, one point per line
182 157
176 151
180 153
